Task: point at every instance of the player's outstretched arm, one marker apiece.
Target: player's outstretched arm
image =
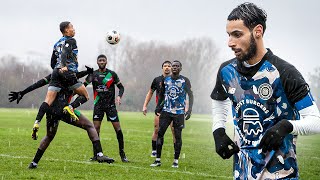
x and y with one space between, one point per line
84 73
18 95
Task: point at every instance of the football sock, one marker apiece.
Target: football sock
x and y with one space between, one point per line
159 146
96 147
78 101
178 144
120 140
175 161
38 156
154 145
42 110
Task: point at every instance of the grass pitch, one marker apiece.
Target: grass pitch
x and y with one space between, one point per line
68 155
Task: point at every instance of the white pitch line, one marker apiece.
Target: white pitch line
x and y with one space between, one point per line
127 166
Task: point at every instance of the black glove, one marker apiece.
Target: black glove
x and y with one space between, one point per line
187 115
89 69
273 138
15 96
225 147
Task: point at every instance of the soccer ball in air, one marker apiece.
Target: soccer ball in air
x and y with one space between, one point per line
113 37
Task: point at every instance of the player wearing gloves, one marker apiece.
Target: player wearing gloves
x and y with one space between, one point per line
19 95
271 103
171 105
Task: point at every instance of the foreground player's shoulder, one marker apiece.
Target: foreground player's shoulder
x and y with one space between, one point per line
295 86
231 62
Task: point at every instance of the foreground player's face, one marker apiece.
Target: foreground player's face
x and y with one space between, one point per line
102 63
166 68
70 31
241 40
176 68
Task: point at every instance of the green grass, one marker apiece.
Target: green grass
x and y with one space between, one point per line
68 154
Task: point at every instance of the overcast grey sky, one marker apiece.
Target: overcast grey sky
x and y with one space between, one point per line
32 25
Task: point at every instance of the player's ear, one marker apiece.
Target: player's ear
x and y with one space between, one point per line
258 31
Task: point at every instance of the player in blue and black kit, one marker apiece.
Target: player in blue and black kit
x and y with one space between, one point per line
271 103
64 62
171 105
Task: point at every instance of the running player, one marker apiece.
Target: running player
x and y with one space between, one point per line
268 97
104 81
171 104
155 86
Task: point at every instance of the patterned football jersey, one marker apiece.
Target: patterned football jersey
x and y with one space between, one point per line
103 86
71 58
175 94
261 96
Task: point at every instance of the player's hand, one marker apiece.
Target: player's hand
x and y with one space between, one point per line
89 69
157 111
225 147
144 110
118 100
273 138
187 115
64 69
15 96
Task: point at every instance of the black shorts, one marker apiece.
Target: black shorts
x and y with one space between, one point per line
66 79
110 110
178 119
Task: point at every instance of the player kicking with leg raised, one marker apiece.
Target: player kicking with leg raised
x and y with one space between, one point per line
54 114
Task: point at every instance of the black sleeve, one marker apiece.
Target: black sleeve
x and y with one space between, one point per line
67 51
81 74
54 59
161 95
154 85
37 85
292 81
219 92
118 83
121 89
189 92
88 80
116 78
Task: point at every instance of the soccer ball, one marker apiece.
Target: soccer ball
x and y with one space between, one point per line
113 37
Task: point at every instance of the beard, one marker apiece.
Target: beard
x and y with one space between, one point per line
251 51
102 67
